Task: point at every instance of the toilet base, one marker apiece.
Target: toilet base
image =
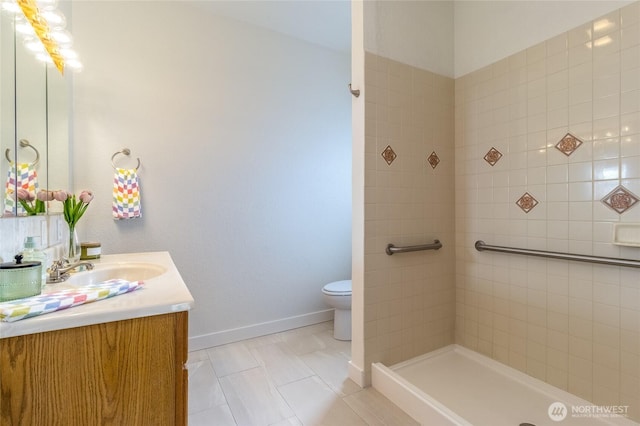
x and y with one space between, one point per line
342 324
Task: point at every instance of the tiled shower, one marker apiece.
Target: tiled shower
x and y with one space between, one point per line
565 117
546 156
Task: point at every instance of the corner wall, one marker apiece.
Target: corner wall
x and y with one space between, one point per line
403 304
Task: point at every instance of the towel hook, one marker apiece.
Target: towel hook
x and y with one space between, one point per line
354 92
125 151
24 144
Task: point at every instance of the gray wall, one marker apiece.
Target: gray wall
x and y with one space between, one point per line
245 143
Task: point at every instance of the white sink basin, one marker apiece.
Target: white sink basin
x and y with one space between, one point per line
134 271
164 292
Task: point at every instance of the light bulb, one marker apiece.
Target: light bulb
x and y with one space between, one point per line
10 6
62 37
68 53
44 57
55 19
74 64
34 44
24 28
47 4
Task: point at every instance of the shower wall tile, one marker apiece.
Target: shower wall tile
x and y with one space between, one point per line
409 298
575 325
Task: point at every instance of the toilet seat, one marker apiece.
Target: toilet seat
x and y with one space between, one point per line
338 288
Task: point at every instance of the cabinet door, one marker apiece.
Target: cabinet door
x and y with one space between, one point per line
122 373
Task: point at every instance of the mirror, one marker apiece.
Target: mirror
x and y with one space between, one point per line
33 120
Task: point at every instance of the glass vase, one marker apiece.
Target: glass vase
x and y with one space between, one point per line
72 253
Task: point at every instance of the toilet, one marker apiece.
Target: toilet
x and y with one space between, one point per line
338 295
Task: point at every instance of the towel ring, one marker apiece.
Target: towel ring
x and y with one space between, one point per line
24 144
125 151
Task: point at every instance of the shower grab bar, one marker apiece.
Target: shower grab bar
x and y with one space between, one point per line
391 249
615 261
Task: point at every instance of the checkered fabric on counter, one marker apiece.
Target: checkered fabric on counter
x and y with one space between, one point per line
28 307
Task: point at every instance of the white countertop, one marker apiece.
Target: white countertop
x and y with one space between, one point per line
162 294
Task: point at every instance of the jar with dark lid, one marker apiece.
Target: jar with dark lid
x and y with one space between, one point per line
90 250
20 279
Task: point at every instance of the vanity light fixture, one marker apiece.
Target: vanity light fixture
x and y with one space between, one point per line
43 29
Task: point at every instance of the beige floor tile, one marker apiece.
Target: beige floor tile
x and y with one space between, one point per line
282 365
314 338
256 342
333 368
302 343
253 399
377 410
216 416
331 343
294 378
291 421
196 356
204 389
314 403
231 358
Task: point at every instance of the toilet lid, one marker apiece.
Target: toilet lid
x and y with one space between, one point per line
338 287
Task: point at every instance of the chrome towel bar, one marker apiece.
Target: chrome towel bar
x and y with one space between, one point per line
127 152
432 246
481 246
24 144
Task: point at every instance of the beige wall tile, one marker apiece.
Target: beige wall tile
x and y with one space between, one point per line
412 112
580 328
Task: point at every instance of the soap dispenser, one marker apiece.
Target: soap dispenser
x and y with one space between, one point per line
32 254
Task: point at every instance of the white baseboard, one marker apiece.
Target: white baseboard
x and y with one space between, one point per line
256 330
358 375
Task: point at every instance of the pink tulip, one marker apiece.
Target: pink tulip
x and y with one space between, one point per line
86 196
60 195
25 195
44 195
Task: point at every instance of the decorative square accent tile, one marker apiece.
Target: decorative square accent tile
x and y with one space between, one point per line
527 202
620 199
389 155
568 144
433 160
493 156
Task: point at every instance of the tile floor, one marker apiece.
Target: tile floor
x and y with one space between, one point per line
297 377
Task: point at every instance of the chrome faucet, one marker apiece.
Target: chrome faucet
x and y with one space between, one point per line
58 272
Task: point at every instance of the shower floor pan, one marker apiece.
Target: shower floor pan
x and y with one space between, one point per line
456 386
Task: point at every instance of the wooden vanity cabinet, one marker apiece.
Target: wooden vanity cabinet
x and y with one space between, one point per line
129 372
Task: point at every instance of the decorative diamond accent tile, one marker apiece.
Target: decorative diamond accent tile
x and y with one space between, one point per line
433 160
527 202
388 154
493 156
568 144
620 199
